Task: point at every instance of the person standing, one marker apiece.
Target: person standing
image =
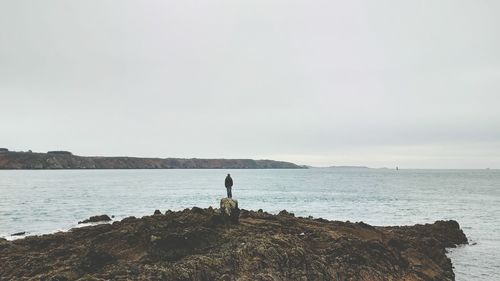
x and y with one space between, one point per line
229 184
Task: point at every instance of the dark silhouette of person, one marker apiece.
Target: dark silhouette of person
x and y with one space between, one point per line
229 183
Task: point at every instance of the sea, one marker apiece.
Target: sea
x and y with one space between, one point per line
46 201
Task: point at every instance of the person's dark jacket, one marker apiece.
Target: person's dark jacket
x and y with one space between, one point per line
229 181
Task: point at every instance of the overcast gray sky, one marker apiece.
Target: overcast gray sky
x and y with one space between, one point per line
378 83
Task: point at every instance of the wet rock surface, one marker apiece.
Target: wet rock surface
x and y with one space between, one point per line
195 244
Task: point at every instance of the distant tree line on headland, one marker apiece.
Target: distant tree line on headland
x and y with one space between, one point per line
60 159
61 152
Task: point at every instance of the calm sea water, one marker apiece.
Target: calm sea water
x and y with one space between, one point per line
47 201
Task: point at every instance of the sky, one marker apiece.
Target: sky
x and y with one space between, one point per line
414 84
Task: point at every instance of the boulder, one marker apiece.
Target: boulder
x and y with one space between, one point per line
229 209
101 218
286 213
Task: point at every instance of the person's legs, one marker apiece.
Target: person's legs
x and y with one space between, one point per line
229 195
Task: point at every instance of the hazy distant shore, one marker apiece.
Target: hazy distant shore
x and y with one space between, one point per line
66 160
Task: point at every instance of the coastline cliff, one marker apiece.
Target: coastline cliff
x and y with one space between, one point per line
66 160
212 244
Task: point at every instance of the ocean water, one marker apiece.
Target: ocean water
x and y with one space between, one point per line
47 201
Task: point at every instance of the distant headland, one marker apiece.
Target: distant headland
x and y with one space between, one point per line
67 160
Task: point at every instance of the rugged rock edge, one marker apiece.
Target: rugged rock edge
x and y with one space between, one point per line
199 244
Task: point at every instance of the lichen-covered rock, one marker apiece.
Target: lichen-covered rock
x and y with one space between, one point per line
229 208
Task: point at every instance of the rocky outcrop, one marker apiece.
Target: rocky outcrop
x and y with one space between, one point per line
101 218
195 244
229 209
66 160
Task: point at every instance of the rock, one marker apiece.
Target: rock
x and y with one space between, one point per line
285 213
362 224
129 219
154 238
94 260
157 212
244 213
19 233
229 208
59 278
3 243
197 210
101 218
188 245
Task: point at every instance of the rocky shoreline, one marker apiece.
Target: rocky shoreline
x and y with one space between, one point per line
232 244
